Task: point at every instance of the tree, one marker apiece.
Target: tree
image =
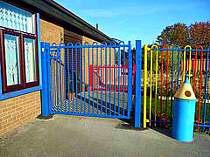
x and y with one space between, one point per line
181 35
200 34
177 34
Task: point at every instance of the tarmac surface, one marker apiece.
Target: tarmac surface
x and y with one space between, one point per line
68 136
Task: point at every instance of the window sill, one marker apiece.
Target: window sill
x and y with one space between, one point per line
18 93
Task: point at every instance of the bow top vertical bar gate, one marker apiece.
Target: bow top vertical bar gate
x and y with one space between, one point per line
87 80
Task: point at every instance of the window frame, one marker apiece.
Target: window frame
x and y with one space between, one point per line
35 83
22 35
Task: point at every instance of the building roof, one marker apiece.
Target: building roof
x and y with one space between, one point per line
53 11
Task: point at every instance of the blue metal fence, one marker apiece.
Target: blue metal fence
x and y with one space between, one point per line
87 79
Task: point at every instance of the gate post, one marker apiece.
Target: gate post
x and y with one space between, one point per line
45 61
138 84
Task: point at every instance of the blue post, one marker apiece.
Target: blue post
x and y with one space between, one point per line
45 81
138 84
129 78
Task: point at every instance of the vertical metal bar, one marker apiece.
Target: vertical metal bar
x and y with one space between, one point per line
45 92
178 69
88 80
206 92
138 83
76 93
81 90
161 82
200 87
60 78
145 87
123 106
156 85
130 67
110 81
93 79
106 79
101 81
97 79
172 81
151 80
208 86
195 70
84 67
52 84
150 83
72 77
167 78
57 83
114 81
190 61
49 78
195 74
65 79
184 66
119 80
69 80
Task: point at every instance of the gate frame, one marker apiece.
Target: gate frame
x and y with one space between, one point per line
45 93
46 90
138 102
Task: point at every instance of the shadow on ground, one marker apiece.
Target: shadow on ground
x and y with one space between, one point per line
93 137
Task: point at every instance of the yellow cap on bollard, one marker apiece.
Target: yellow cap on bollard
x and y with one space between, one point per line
186 91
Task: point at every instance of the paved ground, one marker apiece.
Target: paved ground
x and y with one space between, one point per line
67 136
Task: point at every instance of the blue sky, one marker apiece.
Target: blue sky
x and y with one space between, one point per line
138 19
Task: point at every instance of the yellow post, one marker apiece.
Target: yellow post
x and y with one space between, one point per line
156 82
145 88
150 83
190 58
184 66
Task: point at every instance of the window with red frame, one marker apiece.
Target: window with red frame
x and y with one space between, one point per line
18 47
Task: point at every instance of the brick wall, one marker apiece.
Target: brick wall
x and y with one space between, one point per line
19 110
51 33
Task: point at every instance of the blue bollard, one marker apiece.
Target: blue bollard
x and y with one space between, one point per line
184 113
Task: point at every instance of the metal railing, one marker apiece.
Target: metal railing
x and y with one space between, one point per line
77 87
165 70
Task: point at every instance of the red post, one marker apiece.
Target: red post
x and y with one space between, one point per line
166 103
161 82
91 77
200 86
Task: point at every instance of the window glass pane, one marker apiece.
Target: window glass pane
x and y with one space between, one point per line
30 59
11 44
16 18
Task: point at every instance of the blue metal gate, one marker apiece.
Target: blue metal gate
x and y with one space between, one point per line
87 80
